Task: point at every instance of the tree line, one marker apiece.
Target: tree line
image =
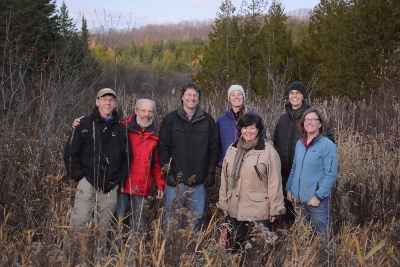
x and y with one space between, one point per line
339 49
339 52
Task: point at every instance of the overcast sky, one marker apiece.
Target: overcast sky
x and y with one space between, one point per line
130 13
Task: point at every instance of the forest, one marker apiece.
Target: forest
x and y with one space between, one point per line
345 52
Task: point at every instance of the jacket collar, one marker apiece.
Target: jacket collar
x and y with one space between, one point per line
96 114
296 113
260 145
132 126
229 112
199 114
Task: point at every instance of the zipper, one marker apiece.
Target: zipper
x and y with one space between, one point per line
257 170
302 163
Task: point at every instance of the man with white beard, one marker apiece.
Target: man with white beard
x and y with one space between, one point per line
143 136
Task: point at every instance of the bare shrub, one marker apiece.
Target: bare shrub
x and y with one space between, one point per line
36 197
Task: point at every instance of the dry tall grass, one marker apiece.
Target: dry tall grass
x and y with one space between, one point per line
36 197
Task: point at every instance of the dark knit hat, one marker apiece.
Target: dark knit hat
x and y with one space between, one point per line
299 87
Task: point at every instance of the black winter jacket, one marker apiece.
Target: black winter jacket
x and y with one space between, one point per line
99 151
287 133
192 145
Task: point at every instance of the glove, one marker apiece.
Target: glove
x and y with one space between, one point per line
171 180
210 180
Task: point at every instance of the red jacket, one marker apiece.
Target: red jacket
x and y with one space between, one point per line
145 160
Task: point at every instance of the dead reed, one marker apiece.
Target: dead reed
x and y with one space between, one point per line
36 198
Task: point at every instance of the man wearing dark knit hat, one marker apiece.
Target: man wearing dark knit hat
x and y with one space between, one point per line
287 132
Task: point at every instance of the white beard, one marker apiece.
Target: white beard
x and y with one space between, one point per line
142 124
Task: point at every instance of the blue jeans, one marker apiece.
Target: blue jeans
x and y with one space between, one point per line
196 197
319 217
134 205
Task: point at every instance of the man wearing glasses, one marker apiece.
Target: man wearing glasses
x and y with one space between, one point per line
97 156
188 152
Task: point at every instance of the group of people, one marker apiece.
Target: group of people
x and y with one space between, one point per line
114 161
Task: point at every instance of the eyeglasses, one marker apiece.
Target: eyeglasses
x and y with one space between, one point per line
192 95
111 101
312 120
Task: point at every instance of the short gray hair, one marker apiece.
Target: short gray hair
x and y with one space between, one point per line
139 101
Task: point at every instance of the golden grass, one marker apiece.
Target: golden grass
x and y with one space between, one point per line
365 202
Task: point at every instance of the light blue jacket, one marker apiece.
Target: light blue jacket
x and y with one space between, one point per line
314 171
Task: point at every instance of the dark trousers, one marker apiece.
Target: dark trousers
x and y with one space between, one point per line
242 230
290 215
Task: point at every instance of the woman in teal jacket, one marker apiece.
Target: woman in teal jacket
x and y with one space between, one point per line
313 173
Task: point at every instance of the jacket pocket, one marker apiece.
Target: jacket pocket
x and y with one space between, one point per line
258 197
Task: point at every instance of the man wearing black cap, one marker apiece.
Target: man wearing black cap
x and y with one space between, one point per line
287 132
97 157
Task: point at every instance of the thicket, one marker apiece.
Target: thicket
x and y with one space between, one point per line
40 98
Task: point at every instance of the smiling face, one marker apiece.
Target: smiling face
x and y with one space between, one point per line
249 133
312 124
144 114
296 98
236 99
190 100
106 105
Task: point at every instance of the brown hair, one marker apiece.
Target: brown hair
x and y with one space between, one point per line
322 129
249 119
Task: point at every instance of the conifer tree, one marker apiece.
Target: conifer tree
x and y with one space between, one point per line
276 49
251 45
349 39
220 64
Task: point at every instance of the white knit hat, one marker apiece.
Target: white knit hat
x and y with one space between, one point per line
236 87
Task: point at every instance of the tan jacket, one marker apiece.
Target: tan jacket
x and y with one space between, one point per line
255 197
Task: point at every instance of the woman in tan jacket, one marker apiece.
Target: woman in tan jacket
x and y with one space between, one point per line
251 183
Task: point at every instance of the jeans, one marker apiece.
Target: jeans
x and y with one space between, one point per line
196 195
319 217
134 205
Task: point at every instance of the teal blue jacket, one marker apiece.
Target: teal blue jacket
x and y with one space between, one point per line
314 170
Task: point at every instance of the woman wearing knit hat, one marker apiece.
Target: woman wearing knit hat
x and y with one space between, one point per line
287 133
226 124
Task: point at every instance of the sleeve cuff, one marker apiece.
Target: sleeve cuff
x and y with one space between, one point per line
318 197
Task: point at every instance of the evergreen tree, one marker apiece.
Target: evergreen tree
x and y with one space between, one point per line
66 26
251 44
33 27
349 39
84 32
220 63
276 49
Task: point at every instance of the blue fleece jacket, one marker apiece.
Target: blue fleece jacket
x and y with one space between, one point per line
226 125
314 170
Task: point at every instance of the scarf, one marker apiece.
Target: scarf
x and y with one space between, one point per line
242 149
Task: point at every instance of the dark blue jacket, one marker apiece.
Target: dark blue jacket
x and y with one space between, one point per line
226 125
